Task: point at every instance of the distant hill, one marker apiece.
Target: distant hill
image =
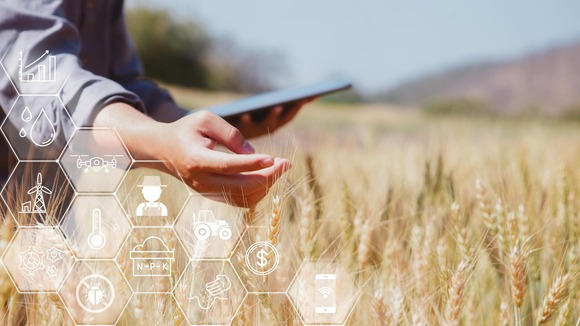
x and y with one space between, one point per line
548 81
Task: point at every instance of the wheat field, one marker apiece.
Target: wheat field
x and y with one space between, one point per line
457 220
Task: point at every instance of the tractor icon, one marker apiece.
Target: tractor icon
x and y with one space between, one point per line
206 225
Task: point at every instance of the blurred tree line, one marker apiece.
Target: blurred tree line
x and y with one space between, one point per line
184 53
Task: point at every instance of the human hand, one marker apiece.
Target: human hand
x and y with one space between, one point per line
242 176
276 118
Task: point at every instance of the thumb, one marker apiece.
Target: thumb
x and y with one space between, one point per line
220 130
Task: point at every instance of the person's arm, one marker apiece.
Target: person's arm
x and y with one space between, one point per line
97 101
27 30
128 71
242 177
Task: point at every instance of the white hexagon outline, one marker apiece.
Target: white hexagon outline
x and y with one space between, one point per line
8 210
57 229
211 260
76 195
31 94
79 261
245 227
8 142
33 161
238 243
12 108
357 295
170 294
131 160
179 177
125 242
291 304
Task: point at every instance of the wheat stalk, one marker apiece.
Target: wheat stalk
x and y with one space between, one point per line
455 294
379 312
553 298
564 315
519 273
275 217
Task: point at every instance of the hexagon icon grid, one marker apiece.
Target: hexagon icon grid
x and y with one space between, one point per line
38 136
323 293
95 167
37 192
261 267
95 293
209 229
151 197
152 260
209 292
96 226
38 259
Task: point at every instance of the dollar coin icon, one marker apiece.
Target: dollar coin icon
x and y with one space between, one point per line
262 258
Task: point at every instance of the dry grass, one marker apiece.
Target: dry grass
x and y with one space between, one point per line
450 221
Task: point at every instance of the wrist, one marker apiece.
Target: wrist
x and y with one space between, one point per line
140 134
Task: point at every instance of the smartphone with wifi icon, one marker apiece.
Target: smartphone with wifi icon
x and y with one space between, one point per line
325 302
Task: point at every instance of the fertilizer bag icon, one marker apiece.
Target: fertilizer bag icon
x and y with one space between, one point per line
151 258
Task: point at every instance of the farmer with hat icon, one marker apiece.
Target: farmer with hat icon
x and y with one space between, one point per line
151 192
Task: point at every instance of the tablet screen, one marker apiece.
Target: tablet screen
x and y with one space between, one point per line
278 97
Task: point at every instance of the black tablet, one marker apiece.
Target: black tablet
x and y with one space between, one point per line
261 103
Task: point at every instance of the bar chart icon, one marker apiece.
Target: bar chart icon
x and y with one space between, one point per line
41 70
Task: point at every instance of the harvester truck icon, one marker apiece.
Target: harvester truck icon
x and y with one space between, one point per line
206 225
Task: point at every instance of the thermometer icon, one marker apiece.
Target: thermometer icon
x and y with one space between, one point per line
96 239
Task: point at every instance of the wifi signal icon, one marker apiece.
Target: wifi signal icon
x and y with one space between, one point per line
325 292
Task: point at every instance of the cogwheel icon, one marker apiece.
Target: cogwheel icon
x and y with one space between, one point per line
53 254
51 271
30 261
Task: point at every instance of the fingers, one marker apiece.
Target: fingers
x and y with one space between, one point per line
245 190
224 133
245 184
290 113
226 163
272 119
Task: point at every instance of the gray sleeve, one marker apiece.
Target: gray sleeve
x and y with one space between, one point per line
128 71
28 29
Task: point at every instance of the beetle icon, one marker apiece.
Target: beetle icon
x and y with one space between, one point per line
95 293
205 225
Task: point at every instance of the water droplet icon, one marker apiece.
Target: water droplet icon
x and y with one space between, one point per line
42 132
22 133
26 115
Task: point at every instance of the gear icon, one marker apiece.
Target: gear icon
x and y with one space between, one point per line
30 261
51 271
53 254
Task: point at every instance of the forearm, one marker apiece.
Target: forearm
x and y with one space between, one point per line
166 112
140 133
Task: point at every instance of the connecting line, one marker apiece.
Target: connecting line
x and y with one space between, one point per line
210 303
35 61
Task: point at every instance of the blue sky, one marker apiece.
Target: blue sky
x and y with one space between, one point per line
380 43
